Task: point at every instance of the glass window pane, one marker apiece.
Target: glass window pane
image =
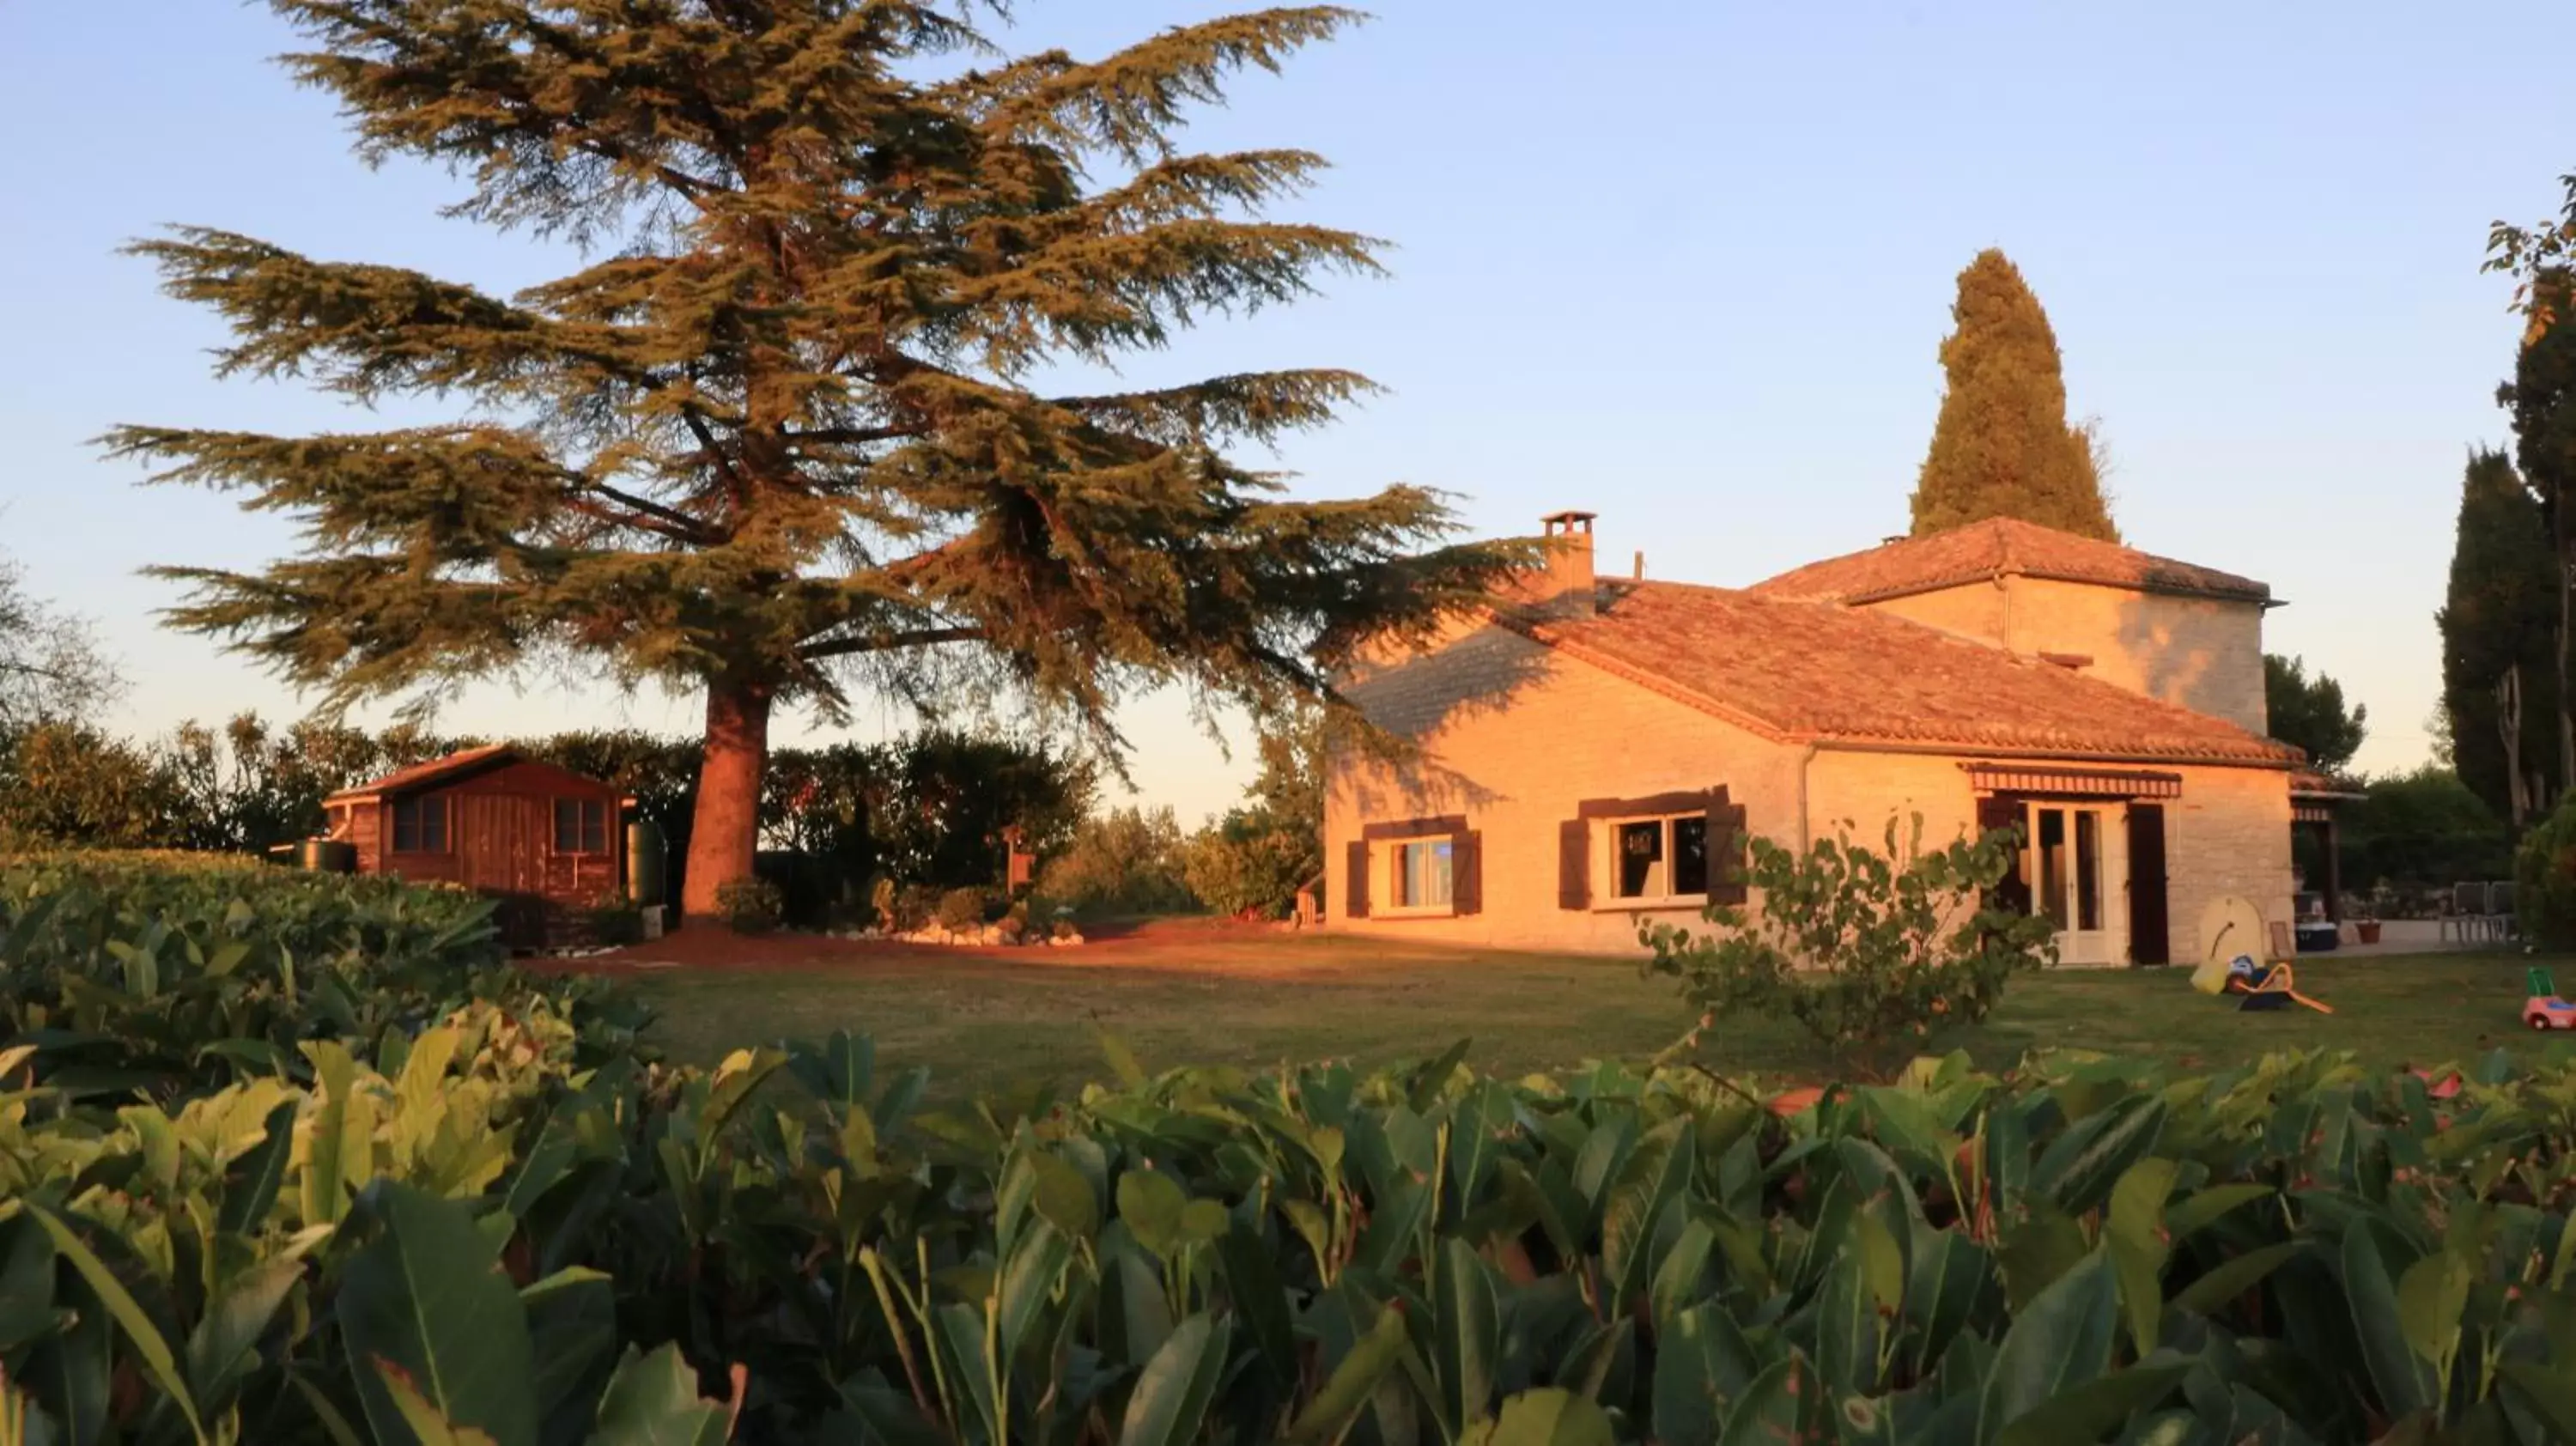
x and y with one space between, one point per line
2052 865
594 827
1641 849
567 826
1436 869
2088 870
1690 855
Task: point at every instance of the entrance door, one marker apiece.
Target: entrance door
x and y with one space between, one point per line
2071 867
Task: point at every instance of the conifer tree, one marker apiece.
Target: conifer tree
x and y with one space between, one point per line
2542 399
781 439
2002 446
2499 623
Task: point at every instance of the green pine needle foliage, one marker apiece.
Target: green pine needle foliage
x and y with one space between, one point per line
789 434
2002 446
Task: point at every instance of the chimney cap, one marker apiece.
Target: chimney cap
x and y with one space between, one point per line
1569 520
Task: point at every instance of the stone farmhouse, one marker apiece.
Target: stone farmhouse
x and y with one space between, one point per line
1590 746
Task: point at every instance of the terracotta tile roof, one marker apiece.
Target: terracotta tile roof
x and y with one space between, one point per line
1817 672
1998 547
401 780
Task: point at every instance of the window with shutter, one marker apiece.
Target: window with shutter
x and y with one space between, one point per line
1355 880
1574 864
1467 873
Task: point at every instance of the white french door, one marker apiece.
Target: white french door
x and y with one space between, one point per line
2076 864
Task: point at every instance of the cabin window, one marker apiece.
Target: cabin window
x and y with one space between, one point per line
1423 873
581 826
420 824
1659 858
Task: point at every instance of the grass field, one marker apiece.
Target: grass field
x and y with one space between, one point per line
983 1022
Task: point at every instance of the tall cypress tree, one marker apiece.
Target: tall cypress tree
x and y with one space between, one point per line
2542 399
779 440
2499 623
2002 446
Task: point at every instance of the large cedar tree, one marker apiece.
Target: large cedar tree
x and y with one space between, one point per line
2002 446
781 439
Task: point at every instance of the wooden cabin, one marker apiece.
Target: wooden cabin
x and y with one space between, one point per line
546 842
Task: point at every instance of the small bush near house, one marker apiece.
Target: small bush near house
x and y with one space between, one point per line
2544 879
1122 863
1244 865
1869 951
751 906
615 922
961 911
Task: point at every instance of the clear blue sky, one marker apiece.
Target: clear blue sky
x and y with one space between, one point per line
1686 265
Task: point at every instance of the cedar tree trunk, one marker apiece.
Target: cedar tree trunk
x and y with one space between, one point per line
725 830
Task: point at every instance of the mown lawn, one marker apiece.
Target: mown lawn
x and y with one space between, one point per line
983 1022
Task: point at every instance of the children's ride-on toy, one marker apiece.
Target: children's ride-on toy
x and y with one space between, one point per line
2544 1009
2268 986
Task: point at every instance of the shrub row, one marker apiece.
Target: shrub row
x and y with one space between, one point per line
487 1228
169 974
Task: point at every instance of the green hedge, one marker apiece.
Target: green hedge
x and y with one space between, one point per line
490 1228
176 973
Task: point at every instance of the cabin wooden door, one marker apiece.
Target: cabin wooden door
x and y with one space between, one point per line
498 845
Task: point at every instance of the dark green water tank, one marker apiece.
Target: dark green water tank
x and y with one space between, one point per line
648 863
327 856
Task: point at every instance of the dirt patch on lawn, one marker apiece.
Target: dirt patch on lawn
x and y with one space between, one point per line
1175 945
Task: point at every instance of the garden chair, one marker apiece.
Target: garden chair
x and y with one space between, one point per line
2500 915
2464 913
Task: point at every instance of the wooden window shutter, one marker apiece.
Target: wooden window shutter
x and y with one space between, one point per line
1356 903
2003 811
1725 850
1467 872
1998 810
1574 864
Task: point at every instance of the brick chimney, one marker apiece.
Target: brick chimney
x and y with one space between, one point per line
1568 583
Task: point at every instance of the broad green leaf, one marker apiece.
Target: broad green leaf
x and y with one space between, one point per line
325 1177
2430 1296
227 1337
1949 1273
1122 1061
1848 1328
2080 1168
1171 1397
1331 1411
2546 1393
420 1420
1203 1221
1468 1331
1543 1418
2232 1278
653 1401
2405 1380
2135 1235
572 1335
959 1337
1029 1280
426 1298
251 1184
1260 1301
1660 1165
2061 1340
2037 1252
742 1072
2195 1212
1679 1277
1783 1405
1434 1078
2092 1410
1150 1206
26 1280
130 1318
1064 1197
1702 1364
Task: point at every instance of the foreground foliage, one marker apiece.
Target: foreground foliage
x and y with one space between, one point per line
478 1224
